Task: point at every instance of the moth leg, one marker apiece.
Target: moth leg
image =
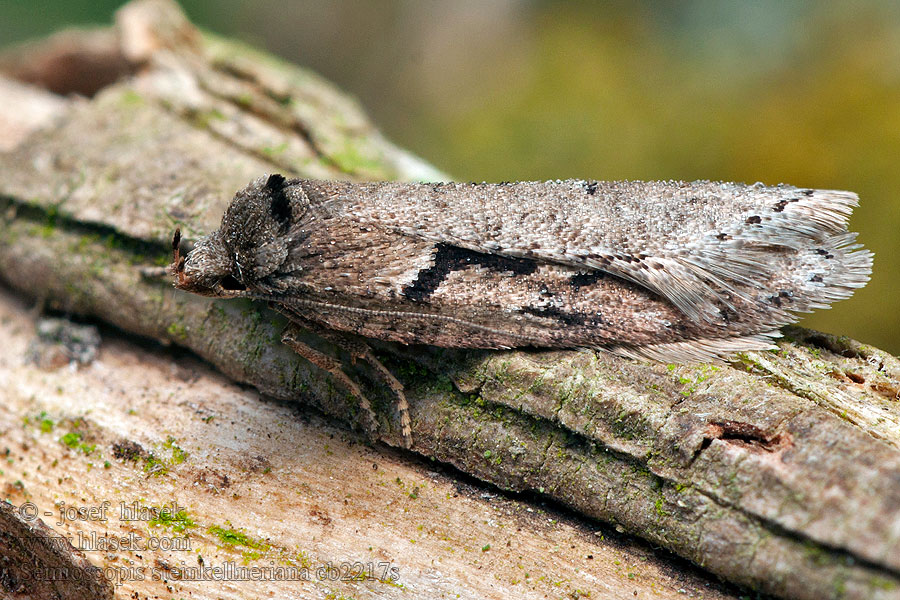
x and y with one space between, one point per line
396 387
357 348
329 364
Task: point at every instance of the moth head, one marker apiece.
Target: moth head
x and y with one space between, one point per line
207 269
251 244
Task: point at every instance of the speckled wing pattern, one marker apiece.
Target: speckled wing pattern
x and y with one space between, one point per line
667 270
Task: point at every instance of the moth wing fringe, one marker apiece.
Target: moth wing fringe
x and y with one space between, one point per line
699 279
697 351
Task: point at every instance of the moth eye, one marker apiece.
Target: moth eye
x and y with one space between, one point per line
230 283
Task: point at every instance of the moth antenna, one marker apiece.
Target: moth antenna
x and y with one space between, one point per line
177 259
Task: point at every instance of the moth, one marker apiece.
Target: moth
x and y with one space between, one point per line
668 270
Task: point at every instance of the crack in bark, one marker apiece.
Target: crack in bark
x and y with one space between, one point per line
38 215
744 433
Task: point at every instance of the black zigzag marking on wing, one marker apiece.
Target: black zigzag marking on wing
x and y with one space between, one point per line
569 319
586 279
449 258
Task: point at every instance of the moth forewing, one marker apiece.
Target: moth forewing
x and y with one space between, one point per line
666 270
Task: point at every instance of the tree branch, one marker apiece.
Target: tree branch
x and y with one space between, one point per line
779 471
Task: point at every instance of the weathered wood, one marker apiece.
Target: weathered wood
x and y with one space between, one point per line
779 471
263 484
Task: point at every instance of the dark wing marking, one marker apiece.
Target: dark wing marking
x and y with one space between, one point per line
281 204
449 258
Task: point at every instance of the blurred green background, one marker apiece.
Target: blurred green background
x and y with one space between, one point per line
806 93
